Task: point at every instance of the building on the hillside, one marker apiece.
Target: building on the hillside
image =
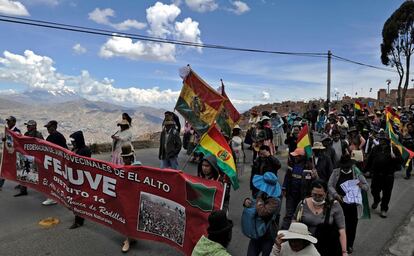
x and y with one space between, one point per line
391 99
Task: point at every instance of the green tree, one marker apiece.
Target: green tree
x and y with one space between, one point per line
397 45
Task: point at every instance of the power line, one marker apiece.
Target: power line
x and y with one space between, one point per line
88 30
362 64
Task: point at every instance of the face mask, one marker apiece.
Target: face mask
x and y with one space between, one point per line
318 200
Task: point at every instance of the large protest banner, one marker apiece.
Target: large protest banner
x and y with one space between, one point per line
138 201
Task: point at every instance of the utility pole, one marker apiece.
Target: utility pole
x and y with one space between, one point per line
328 96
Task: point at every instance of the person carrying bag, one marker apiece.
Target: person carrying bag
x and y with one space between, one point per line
259 215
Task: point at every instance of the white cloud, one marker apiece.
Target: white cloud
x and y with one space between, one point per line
160 18
162 23
15 8
101 16
239 7
265 95
79 49
125 47
38 72
202 5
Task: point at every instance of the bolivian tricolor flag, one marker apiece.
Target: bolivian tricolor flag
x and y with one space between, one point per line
406 154
392 116
304 141
198 103
358 105
229 116
213 143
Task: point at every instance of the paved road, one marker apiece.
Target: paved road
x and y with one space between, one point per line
21 235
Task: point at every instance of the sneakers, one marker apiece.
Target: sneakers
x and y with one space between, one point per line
125 246
374 206
22 193
49 201
383 214
406 177
350 250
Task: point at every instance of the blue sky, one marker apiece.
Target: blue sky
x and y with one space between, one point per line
128 72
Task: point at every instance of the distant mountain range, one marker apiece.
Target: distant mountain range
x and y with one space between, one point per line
96 119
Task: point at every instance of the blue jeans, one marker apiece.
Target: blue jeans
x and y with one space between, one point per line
171 163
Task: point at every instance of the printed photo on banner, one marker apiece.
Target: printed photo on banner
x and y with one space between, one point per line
9 144
162 217
26 169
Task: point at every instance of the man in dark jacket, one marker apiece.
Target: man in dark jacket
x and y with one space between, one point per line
323 164
264 163
31 132
383 161
79 147
11 124
57 138
170 145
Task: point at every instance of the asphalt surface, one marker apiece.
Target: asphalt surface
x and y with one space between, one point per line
20 233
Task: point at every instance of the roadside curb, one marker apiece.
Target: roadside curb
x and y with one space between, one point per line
402 244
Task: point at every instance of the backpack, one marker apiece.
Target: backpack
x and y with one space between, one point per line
253 226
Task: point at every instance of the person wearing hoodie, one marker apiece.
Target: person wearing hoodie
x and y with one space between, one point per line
208 169
80 148
219 236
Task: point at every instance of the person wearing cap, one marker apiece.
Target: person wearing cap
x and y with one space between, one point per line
219 234
339 146
265 162
325 220
321 121
384 160
32 131
352 211
296 184
297 241
408 142
11 125
323 164
277 129
170 144
79 147
168 115
121 137
57 138
268 206
237 146
128 158
209 169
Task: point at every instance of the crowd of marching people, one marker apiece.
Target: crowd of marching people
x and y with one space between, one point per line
325 184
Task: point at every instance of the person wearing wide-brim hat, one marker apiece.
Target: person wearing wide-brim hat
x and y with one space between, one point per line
296 241
268 206
237 146
121 137
219 236
128 158
347 170
323 163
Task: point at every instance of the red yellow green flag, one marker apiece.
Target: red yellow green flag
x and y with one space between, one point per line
213 143
358 105
392 116
406 154
198 103
304 141
229 116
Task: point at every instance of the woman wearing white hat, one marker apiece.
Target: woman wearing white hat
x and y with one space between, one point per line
295 241
121 137
236 144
